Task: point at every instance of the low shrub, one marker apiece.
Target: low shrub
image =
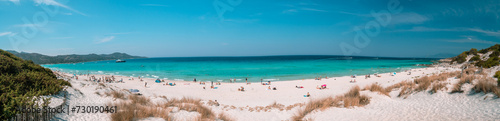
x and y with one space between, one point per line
22 81
475 58
472 51
460 58
497 75
492 61
495 53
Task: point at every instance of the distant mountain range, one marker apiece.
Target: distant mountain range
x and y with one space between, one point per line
442 55
45 59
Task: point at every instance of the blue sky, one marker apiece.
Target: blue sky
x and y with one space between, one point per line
168 28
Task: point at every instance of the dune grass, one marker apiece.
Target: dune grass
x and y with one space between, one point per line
377 88
115 94
224 117
437 86
486 85
425 82
138 107
463 80
350 99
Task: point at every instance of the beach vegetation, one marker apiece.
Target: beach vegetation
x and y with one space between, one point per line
495 53
463 80
486 85
492 61
136 107
22 82
115 94
460 58
475 58
495 47
352 98
472 51
497 75
436 87
377 88
225 117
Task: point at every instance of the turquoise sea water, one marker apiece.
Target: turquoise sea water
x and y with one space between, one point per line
269 68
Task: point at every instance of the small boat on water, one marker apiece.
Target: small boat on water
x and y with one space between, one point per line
120 61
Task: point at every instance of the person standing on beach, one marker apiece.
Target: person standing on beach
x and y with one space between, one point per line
145 84
260 80
246 80
194 80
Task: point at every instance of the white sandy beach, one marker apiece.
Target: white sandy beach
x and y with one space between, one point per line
237 104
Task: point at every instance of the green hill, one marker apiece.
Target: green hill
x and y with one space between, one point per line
486 58
21 81
44 59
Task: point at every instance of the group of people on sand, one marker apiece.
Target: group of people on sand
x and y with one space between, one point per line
322 87
103 79
170 84
367 76
269 88
246 81
268 82
319 78
241 89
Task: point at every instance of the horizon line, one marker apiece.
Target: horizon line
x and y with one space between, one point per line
241 56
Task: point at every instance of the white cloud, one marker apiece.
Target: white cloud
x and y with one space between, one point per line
425 29
106 39
69 14
303 6
54 3
5 33
26 25
55 38
490 33
156 5
15 1
408 18
121 33
312 9
471 39
356 14
290 11
242 20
